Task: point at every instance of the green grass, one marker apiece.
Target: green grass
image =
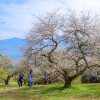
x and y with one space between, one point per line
54 91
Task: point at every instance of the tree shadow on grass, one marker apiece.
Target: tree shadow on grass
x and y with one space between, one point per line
52 89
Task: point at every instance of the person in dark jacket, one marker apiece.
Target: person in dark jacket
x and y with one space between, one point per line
20 80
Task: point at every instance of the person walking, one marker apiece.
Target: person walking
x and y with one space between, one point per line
20 80
30 77
45 77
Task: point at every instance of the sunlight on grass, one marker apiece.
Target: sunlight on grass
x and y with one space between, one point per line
51 92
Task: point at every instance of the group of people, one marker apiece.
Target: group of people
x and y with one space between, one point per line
21 79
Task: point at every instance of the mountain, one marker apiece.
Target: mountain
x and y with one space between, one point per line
12 47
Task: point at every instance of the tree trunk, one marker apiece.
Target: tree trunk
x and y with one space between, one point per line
67 79
67 83
7 79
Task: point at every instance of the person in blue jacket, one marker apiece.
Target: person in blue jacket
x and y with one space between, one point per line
30 77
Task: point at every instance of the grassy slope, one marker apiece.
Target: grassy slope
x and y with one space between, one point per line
51 92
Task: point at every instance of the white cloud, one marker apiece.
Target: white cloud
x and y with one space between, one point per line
18 16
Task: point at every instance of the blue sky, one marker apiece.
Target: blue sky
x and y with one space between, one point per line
16 16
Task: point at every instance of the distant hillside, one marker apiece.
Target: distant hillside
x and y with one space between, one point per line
12 47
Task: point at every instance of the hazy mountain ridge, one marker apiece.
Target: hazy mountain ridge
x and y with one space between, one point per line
12 47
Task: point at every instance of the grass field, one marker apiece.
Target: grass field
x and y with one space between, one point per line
54 91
